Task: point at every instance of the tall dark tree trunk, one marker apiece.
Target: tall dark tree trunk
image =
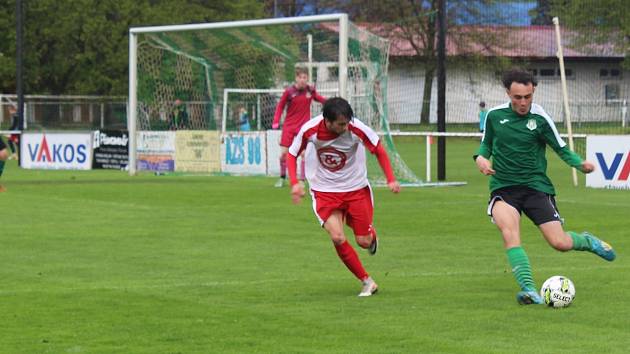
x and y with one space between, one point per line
431 62
425 114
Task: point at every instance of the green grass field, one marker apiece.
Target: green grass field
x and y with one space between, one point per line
99 262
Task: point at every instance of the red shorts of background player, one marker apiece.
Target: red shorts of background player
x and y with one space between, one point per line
357 208
287 137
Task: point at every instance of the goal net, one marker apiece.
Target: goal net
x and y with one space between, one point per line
227 74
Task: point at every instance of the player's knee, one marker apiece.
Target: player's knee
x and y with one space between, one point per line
338 238
4 154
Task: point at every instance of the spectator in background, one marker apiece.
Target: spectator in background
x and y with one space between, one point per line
179 116
4 155
242 119
14 139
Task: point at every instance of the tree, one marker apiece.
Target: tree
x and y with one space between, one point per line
81 46
290 8
541 14
412 23
609 18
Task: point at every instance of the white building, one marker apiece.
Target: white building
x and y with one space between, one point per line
597 85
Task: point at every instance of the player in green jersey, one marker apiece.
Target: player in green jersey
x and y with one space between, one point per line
515 136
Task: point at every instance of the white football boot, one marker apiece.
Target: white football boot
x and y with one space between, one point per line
369 287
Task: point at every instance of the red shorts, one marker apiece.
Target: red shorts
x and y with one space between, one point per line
287 137
357 208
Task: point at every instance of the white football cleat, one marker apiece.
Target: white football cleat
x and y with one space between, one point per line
369 287
279 183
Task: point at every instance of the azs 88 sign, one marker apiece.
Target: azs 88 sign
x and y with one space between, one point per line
244 153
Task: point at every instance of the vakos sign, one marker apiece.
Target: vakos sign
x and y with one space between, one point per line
56 151
611 156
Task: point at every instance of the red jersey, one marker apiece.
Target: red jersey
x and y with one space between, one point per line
335 163
299 106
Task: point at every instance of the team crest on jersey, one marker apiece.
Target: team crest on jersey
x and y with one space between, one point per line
331 158
531 124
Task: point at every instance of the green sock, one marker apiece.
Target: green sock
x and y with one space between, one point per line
580 243
1 167
521 269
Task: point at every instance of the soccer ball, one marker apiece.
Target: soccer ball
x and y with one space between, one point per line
558 291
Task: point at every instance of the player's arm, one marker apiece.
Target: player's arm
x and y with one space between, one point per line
370 140
483 154
297 187
386 166
553 139
297 147
318 97
280 109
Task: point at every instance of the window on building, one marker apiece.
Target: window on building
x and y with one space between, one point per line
547 73
611 92
609 73
568 73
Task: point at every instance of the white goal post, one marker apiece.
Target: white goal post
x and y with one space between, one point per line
341 19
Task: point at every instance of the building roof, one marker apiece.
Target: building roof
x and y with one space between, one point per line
532 42
514 42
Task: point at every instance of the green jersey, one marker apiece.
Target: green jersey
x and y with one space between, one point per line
517 146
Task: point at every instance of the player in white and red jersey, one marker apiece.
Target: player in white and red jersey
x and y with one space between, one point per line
297 98
337 176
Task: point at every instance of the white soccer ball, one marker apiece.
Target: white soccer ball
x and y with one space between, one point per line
558 291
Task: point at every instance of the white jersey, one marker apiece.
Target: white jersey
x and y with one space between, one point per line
335 163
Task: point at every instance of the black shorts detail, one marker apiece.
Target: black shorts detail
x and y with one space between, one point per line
538 206
2 144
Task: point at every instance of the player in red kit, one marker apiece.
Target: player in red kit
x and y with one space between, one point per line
337 178
297 98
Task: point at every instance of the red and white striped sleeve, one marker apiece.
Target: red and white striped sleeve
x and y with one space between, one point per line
301 139
368 136
298 145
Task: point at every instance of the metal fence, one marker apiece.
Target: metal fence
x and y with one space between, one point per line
66 112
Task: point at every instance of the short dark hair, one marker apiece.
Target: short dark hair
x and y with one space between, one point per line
336 107
300 70
482 104
518 75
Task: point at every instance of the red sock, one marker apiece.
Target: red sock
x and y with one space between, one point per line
350 258
283 166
